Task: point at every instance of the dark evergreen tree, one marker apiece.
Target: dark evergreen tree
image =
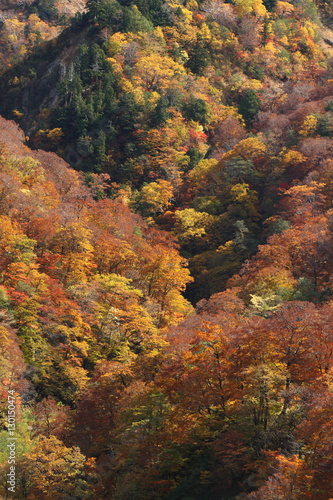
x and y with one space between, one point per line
107 13
196 110
46 9
160 113
249 106
195 157
270 4
134 21
199 58
325 125
154 11
100 149
127 113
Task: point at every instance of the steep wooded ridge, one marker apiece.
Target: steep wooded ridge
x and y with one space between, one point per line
159 96
199 150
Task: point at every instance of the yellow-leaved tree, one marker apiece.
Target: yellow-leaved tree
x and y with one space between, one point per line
244 7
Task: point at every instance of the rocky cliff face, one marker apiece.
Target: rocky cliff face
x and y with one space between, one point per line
37 79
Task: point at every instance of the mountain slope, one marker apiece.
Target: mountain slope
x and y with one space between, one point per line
159 103
202 137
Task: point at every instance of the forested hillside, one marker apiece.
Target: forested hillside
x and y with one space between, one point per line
166 257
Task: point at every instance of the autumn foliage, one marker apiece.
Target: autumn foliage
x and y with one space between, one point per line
166 306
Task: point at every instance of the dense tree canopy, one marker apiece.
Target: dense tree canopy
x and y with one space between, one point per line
166 301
